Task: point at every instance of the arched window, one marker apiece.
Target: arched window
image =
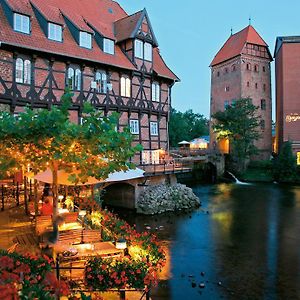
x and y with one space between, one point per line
248 66
101 81
23 71
233 68
155 92
74 79
256 68
125 87
77 80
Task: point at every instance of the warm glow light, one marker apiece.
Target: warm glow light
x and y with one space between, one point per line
121 244
298 158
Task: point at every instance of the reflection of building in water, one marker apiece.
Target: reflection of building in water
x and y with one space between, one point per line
287 63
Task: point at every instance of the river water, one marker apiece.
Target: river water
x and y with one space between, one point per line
243 243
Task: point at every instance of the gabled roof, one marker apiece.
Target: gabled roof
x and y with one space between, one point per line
127 28
88 15
235 44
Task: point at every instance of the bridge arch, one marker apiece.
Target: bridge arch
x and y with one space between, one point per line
120 194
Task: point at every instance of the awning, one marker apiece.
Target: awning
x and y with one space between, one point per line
184 143
62 177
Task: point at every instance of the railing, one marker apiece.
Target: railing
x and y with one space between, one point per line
123 293
167 167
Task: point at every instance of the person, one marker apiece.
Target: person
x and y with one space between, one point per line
47 208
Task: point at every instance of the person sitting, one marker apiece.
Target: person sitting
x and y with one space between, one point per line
47 208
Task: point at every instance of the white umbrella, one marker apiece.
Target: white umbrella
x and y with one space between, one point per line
184 143
63 177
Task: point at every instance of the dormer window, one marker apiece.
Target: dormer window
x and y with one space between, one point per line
139 49
54 32
108 46
148 51
21 23
85 40
142 50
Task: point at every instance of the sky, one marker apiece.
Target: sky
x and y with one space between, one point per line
191 32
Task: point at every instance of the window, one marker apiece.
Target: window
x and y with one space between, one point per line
138 49
218 74
101 81
233 101
248 66
134 126
54 32
21 23
125 87
262 124
264 69
233 68
153 128
226 70
85 40
155 92
256 68
263 104
74 79
264 87
248 83
23 71
298 158
108 46
226 104
227 89
256 85
148 51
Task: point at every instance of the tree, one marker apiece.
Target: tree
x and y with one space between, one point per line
48 139
186 126
240 124
285 166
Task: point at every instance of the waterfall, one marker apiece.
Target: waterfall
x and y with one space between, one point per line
236 180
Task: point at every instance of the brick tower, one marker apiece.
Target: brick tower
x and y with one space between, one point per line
241 69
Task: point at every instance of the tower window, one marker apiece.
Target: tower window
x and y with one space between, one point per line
248 66
227 89
256 68
218 74
264 87
256 85
226 70
263 104
248 83
226 104
262 124
264 69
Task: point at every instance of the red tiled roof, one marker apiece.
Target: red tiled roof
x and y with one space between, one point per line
160 67
235 44
125 27
100 14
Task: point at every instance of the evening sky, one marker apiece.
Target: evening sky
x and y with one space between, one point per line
191 32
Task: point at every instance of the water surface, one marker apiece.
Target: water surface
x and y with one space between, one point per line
243 243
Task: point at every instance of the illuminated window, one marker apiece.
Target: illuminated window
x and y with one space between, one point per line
298 158
125 87
134 126
23 71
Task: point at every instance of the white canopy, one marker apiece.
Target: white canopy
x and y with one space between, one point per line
184 143
63 176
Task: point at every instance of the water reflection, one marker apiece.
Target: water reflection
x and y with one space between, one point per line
243 243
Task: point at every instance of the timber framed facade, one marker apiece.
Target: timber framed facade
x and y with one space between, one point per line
115 65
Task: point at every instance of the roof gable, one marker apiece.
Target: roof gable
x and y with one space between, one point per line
235 44
136 25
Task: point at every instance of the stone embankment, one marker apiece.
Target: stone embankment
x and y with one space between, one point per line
163 198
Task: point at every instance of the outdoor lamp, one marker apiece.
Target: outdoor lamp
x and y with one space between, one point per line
60 197
121 244
82 213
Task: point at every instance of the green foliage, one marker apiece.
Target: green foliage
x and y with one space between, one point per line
285 167
240 124
47 138
186 126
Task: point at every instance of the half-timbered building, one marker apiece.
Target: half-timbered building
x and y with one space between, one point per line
107 57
